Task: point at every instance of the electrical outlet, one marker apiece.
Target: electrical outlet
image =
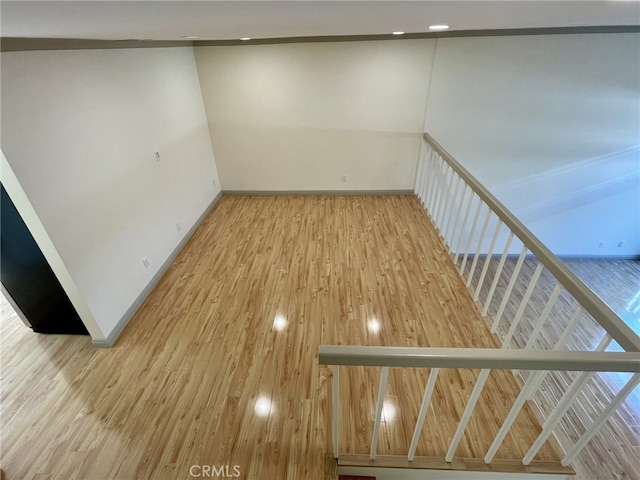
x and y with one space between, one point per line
157 156
215 184
145 262
344 177
178 226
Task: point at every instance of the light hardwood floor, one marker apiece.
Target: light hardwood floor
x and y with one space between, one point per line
219 366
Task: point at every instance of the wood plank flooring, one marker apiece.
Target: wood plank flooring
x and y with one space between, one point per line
219 367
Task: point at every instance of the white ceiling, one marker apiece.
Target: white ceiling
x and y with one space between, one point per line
220 20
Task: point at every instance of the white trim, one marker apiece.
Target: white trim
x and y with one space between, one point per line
316 192
36 228
131 311
384 473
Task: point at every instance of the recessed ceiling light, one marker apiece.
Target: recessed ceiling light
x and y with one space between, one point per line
398 33
438 27
244 39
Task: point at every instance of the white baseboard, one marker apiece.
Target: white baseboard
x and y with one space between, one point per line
317 192
131 311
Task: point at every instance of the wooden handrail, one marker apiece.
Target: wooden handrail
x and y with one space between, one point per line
484 358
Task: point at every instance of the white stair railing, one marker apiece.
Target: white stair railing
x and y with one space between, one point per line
473 224
435 164
570 301
537 361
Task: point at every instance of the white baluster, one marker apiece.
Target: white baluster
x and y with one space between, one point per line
376 428
543 316
449 215
428 391
457 252
439 188
563 405
604 416
523 305
463 198
444 199
569 328
471 234
483 232
507 293
427 172
485 267
496 276
335 408
418 182
562 339
435 187
434 184
475 395
530 386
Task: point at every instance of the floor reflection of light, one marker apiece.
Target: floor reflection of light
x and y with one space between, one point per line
280 323
388 412
373 325
263 407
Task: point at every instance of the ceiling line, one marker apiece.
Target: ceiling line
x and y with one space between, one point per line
14 44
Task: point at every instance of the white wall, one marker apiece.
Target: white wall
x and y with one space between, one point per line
298 116
48 249
79 129
551 125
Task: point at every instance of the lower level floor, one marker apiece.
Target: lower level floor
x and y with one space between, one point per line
219 367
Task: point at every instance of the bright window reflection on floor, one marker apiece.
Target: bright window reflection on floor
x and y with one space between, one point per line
263 406
280 323
373 325
388 412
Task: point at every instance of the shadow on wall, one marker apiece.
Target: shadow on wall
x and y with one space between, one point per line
536 197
